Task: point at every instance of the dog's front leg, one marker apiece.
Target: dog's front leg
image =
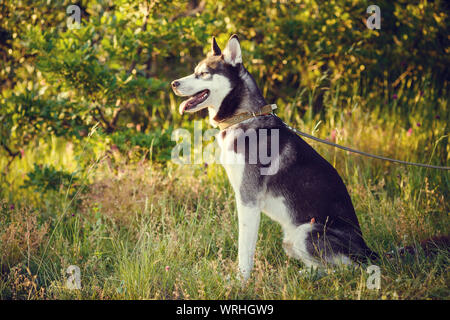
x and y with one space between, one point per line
249 217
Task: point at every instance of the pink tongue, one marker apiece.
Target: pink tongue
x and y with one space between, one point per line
187 104
192 101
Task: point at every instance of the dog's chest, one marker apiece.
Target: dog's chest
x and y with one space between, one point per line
234 163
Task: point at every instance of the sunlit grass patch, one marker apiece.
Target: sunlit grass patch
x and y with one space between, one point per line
140 229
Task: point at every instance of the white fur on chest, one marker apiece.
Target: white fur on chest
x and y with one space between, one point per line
233 163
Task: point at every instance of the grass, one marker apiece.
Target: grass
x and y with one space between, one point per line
145 230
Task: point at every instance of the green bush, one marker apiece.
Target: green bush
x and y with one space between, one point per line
155 145
46 178
116 67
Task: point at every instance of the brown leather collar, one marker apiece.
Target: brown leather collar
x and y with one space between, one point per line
267 109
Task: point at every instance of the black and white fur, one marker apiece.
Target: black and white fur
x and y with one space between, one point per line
306 195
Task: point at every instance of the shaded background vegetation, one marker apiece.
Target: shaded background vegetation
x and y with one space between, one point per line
81 108
115 69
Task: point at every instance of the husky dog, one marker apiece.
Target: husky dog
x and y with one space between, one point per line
305 194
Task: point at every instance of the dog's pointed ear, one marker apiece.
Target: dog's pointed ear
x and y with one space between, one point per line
232 53
215 49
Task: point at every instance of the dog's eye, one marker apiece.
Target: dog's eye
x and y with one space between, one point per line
204 74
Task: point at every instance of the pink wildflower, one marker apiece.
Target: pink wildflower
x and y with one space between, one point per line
409 133
333 135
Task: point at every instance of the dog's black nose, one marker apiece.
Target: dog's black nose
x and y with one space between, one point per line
175 84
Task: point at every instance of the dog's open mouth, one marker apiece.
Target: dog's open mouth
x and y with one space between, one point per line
193 101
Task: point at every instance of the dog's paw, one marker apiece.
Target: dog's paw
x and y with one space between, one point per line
244 274
243 278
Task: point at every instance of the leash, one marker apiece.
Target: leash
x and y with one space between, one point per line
364 153
268 109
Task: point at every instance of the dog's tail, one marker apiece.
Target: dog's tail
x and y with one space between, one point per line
429 246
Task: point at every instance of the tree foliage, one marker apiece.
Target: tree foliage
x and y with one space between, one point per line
115 69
